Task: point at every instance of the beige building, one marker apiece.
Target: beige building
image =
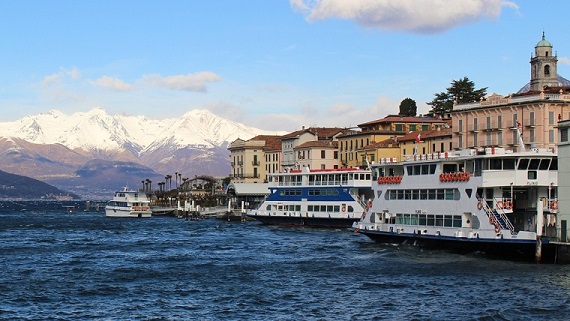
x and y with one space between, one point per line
249 159
320 154
373 132
291 157
534 110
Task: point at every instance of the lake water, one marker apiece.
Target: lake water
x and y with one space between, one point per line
84 266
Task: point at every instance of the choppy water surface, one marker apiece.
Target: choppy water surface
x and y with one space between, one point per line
84 266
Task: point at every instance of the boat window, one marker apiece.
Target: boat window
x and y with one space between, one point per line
531 175
534 163
440 194
416 194
523 163
448 221
449 194
457 221
508 163
337 208
425 169
417 169
350 209
554 164
408 194
449 168
432 168
495 164
469 192
430 220
330 208
439 220
423 194
544 164
410 170
423 220
379 193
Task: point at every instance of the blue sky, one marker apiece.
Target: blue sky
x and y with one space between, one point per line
275 65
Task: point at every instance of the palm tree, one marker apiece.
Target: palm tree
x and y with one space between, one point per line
169 179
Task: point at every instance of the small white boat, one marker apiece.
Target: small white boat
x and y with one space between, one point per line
128 203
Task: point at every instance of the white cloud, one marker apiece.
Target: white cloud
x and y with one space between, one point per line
57 77
112 83
564 60
189 82
418 16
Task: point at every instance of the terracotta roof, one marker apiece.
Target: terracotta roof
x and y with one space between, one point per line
272 142
318 143
375 132
320 132
426 134
402 119
383 144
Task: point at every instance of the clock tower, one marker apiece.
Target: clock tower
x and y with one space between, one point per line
543 66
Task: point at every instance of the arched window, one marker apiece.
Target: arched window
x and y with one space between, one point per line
547 70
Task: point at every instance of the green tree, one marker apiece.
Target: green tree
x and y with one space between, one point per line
408 107
461 91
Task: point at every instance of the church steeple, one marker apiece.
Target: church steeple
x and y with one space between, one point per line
543 66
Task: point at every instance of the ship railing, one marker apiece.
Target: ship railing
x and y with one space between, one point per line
503 206
497 213
550 205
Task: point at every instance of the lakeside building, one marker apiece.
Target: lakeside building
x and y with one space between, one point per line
294 154
535 109
355 146
425 142
253 159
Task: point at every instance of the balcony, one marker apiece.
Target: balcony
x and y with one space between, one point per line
255 163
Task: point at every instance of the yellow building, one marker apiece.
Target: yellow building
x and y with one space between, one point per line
351 145
249 161
425 142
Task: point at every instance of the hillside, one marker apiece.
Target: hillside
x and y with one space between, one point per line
20 187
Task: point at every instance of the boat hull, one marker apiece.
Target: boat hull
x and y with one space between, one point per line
521 250
109 212
305 221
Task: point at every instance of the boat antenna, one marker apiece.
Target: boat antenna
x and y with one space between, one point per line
367 163
521 142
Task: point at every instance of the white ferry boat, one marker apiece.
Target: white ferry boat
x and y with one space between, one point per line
128 203
316 198
492 200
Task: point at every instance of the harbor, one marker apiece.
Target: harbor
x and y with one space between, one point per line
215 269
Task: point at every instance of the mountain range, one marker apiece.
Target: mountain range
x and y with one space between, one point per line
93 153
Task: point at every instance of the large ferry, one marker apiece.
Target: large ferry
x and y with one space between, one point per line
495 201
128 203
316 198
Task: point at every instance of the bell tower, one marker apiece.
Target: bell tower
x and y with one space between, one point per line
543 71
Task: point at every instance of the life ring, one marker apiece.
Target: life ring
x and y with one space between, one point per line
363 215
497 228
441 177
480 205
492 219
467 176
369 205
500 204
344 208
554 205
508 205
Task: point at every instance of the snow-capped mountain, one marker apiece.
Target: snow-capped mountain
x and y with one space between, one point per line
193 144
